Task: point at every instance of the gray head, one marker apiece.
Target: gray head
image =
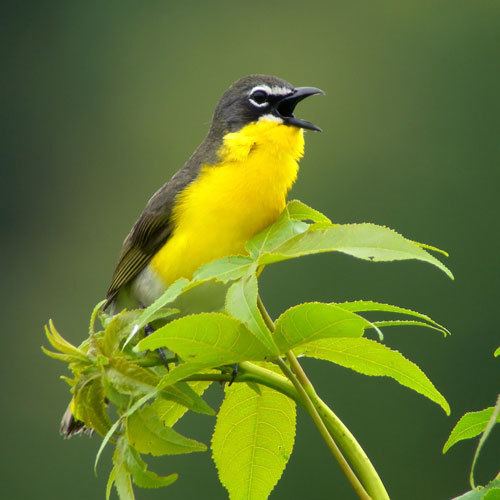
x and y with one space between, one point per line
256 96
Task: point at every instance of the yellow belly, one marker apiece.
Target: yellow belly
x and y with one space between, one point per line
232 201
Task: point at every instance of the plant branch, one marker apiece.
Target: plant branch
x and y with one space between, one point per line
308 395
325 434
338 431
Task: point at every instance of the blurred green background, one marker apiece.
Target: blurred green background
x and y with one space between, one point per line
103 101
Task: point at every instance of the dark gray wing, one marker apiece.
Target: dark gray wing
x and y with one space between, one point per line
149 233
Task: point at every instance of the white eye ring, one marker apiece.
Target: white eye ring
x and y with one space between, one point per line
262 100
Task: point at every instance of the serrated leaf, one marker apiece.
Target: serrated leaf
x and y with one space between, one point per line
226 269
371 306
425 246
253 440
372 358
275 235
120 474
123 483
65 358
406 322
147 434
116 331
241 303
94 315
171 412
365 241
90 407
490 492
170 294
470 425
131 379
494 418
142 476
204 341
109 484
298 210
62 345
313 321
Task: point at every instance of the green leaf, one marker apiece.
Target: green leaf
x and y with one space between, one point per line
204 341
62 345
109 484
143 477
253 440
297 210
120 474
241 303
170 294
94 315
497 352
425 246
371 306
372 358
170 412
494 418
226 269
405 322
116 331
275 235
147 434
313 321
65 358
490 492
365 241
470 425
128 378
123 483
90 407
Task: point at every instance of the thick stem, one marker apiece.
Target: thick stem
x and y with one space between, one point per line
359 460
325 434
249 372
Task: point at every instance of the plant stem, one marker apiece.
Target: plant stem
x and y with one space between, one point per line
336 429
249 372
325 434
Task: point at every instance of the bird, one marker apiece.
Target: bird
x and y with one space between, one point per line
233 186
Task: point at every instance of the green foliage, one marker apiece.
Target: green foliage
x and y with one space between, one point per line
372 358
489 492
148 434
118 367
253 440
470 425
313 321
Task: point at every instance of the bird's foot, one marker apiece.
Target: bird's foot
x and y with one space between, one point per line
234 373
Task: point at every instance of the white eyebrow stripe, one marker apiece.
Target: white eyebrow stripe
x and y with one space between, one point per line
274 90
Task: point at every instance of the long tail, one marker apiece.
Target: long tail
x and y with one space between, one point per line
70 426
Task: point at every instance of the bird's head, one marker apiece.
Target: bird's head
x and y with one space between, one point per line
261 97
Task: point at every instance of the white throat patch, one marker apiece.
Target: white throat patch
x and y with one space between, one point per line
270 118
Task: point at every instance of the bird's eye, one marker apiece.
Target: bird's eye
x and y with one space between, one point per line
259 98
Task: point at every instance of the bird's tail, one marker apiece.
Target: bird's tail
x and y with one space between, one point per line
70 425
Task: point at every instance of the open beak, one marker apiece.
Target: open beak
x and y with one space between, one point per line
285 107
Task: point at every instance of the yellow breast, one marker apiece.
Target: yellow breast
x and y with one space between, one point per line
231 201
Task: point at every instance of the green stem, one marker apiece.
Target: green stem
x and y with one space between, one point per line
325 434
249 372
338 431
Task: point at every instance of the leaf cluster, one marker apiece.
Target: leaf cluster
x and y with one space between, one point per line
121 389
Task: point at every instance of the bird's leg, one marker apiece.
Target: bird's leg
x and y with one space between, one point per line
148 330
234 373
